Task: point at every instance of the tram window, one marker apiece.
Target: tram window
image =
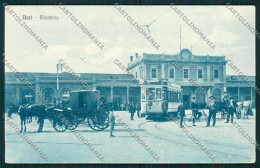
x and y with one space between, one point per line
150 94
158 93
173 96
164 93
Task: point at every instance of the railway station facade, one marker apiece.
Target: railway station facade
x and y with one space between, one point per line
209 72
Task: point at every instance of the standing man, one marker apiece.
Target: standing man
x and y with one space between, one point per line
181 111
132 110
112 123
138 109
230 110
212 111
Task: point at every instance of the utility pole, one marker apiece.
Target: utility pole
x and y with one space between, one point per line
59 66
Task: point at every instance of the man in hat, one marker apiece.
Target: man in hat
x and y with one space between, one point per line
230 110
132 110
212 111
181 111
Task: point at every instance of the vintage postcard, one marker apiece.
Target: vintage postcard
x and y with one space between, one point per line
130 84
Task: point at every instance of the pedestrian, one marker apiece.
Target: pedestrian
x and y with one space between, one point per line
247 109
181 111
164 107
112 123
138 109
230 110
212 111
132 110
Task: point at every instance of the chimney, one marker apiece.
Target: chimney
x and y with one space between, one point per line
136 55
131 58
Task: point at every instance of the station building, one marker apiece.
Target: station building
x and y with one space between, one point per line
209 72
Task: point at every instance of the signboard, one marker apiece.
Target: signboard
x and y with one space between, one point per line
28 96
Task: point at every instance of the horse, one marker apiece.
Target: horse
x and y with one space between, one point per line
12 109
28 111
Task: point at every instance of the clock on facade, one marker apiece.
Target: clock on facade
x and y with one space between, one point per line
185 53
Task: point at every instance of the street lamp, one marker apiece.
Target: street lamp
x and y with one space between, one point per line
59 67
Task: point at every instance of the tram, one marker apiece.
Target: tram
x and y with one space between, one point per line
157 100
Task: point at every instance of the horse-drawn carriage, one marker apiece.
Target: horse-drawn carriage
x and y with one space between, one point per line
84 108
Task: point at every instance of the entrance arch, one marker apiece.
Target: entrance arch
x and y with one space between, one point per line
216 93
28 97
186 96
200 97
49 94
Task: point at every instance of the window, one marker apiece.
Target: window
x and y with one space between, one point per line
172 73
185 73
153 72
158 93
135 74
199 73
173 96
164 93
150 95
216 73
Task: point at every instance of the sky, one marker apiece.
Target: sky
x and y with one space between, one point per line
121 40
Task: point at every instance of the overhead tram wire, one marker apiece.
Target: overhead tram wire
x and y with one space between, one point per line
147 26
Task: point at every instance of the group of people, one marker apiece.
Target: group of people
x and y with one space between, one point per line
229 106
133 108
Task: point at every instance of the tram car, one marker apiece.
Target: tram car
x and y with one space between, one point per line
158 100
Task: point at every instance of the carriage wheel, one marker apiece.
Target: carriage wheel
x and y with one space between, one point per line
98 121
73 124
238 113
59 126
92 125
188 120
